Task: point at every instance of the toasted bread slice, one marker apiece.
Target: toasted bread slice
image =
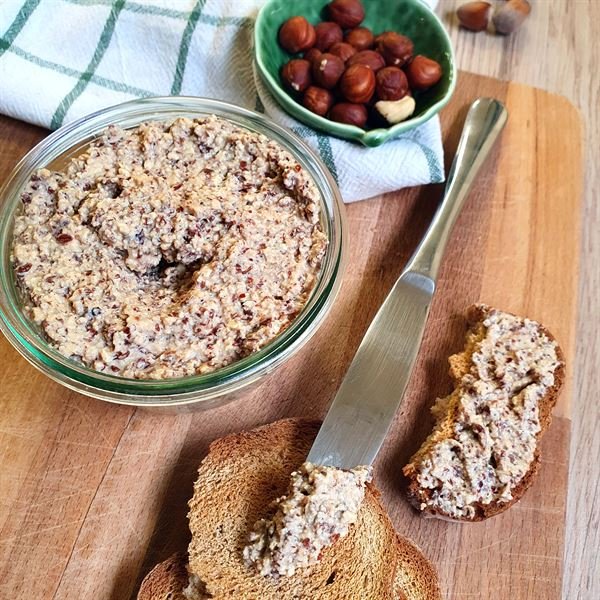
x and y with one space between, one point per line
167 580
452 421
415 577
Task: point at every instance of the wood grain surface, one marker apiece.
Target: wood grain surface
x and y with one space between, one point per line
558 49
93 495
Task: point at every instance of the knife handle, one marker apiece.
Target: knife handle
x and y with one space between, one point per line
485 120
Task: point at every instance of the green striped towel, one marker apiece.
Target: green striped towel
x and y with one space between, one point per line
62 59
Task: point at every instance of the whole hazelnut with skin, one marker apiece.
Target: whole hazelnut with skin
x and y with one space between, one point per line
297 34
391 83
361 38
369 58
327 70
510 16
317 100
357 84
327 34
351 114
296 74
423 72
346 13
343 50
312 54
396 49
474 16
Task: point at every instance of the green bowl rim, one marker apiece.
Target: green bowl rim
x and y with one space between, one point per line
371 137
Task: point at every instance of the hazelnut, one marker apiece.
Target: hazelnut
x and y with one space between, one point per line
327 34
343 50
423 72
369 58
296 74
357 84
317 100
391 83
327 70
351 114
396 111
361 38
474 15
312 55
297 34
346 13
396 49
511 15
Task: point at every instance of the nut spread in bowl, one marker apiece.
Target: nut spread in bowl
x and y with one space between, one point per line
178 251
169 249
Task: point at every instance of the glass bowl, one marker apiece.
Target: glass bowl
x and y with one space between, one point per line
201 391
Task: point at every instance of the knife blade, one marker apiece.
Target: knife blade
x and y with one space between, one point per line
372 390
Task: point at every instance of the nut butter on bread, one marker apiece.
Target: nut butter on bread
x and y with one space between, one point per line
239 478
484 450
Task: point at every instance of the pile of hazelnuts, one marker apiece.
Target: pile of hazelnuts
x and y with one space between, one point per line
348 74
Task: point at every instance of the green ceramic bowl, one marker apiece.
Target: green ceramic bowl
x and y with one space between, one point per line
409 17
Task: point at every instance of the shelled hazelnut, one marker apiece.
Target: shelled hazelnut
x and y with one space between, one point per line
327 70
317 100
357 84
349 75
397 49
327 34
360 37
422 73
369 58
349 113
391 83
297 34
296 74
343 50
346 13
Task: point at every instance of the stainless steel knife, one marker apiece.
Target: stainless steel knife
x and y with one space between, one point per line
372 390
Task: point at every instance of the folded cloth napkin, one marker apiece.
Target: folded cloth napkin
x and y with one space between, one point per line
62 59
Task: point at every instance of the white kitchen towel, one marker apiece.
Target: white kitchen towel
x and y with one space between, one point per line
62 59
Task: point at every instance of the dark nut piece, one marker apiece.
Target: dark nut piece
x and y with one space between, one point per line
346 13
296 35
391 83
351 114
361 38
357 84
317 100
327 70
423 72
474 15
296 74
395 48
312 55
369 58
343 50
327 34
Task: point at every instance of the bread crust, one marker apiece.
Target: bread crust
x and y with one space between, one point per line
417 495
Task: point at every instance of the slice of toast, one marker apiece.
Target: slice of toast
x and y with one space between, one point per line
470 449
415 578
238 479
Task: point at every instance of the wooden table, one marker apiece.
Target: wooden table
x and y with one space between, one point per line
558 49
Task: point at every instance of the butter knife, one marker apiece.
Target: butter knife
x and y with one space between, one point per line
372 390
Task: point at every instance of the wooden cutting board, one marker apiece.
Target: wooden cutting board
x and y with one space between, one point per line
93 495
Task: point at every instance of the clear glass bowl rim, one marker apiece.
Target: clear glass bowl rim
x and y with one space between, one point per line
20 332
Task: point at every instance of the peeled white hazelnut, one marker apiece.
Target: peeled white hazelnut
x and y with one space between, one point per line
395 111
